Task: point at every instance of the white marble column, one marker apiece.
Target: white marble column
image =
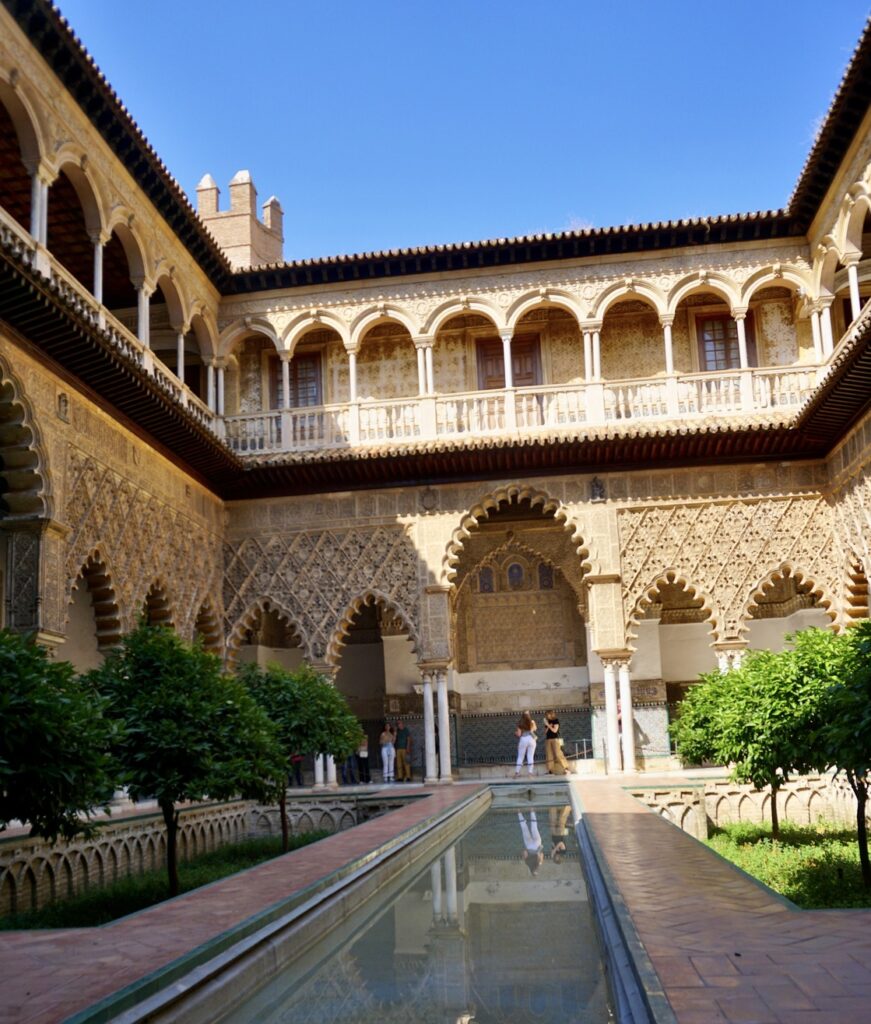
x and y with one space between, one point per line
210 384
421 370
143 311
43 211
319 771
826 323
285 379
220 402
627 717
98 269
352 376
855 300
331 771
667 342
588 355
739 316
816 333
431 774
450 859
597 355
444 727
435 883
612 724
179 356
36 207
506 358
430 372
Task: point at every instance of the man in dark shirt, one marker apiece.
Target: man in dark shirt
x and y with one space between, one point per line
403 753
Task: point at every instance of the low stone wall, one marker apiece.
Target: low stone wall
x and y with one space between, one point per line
696 807
34 872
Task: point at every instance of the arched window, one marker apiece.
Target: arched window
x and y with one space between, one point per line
485 581
545 576
515 576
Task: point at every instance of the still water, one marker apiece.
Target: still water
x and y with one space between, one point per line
496 928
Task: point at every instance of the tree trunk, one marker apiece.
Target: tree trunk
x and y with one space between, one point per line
285 831
861 790
775 822
170 819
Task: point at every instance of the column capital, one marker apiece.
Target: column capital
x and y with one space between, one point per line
424 340
823 302
614 657
852 258
506 333
285 355
588 326
739 312
666 319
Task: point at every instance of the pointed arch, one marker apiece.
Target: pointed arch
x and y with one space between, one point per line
622 291
370 596
460 307
672 576
552 298
512 493
787 569
249 617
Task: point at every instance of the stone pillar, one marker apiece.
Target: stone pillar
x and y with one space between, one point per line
588 355
179 356
627 716
98 269
36 207
319 771
817 335
739 316
613 725
667 322
352 376
331 772
220 402
421 370
435 883
853 278
430 373
210 384
285 379
444 727
826 322
143 321
506 357
431 774
450 858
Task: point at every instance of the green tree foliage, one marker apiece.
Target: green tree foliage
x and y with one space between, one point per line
845 735
186 730
54 740
309 714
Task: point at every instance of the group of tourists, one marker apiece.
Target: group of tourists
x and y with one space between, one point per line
526 733
395 741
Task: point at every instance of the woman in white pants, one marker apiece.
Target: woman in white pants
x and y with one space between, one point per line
525 733
388 754
533 848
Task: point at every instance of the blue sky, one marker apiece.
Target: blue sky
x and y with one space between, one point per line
381 124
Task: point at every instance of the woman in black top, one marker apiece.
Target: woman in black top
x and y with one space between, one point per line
556 761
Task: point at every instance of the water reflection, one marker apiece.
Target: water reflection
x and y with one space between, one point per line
479 936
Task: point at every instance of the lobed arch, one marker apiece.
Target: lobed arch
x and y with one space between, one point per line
623 290
552 299
782 276
157 605
248 618
238 330
373 317
824 600
15 97
712 282
312 321
459 307
512 493
98 577
207 625
369 596
670 576
24 477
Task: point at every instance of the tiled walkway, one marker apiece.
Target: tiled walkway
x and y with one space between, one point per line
723 947
47 976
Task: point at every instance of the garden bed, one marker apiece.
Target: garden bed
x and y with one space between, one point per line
128 895
815 866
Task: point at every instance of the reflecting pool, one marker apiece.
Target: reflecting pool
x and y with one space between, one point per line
496 928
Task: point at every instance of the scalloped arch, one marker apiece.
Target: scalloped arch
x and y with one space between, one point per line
825 601
512 493
369 596
97 576
669 576
207 625
24 493
247 619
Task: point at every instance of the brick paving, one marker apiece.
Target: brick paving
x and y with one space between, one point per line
725 949
46 976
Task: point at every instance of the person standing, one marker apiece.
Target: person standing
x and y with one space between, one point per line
533 848
525 733
553 747
403 752
363 760
388 753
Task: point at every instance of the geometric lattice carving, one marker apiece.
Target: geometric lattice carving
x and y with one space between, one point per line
316 579
140 539
724 551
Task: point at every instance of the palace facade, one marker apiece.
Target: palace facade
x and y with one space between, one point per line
568 471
